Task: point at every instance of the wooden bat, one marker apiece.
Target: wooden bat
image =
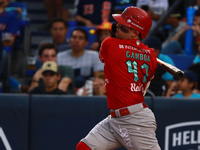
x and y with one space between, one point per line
177 73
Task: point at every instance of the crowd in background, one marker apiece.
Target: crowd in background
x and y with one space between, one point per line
72 66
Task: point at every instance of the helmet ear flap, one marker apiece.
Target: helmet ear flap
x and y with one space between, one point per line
114 27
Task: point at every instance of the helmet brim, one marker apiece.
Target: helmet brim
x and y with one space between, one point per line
120 19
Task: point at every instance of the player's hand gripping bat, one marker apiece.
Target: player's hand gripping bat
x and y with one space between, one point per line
177 73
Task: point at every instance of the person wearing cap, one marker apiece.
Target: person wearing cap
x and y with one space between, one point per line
50 77
103 31
129 66
48 52
187 85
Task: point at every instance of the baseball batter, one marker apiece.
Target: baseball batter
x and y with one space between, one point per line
129 67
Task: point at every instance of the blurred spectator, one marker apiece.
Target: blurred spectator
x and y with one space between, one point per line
58 29
196 62
197 57
198 2
9 6
50 77
9 29
96 88
181 8
121 5
86 63
179 36
162 78
187 85
55 9
92 13
155 8
175 42
196 22
195 68
103 31
48 52
9 23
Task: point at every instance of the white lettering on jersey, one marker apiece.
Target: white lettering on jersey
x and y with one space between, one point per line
137 88
106 81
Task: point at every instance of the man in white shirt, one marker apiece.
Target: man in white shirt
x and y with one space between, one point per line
85 63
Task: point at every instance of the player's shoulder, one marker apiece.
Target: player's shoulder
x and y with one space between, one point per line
108 41
145 47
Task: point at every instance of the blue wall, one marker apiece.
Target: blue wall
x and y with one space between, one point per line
59 122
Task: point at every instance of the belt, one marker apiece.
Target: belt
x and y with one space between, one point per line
127 110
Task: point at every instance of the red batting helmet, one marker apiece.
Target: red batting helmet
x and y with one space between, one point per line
135 18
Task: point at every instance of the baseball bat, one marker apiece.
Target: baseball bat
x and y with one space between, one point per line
177 73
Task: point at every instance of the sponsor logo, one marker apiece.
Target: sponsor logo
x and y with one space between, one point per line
4 140
124 134
183 136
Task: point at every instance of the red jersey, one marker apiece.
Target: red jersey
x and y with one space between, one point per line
129 66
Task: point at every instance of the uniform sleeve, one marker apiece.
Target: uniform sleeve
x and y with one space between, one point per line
103 49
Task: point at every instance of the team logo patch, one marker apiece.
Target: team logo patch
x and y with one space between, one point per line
183 136
138 42
129 20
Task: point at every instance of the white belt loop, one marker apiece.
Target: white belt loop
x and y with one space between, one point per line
117 113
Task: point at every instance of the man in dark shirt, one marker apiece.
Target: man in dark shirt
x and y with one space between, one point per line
50 78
